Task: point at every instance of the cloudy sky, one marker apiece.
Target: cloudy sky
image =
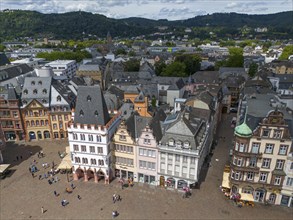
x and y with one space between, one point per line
153 9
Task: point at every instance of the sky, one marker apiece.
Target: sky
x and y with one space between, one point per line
152 9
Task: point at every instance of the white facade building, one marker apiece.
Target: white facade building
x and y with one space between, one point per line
90 135
63 67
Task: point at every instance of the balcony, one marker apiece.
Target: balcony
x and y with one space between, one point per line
244 168
247 154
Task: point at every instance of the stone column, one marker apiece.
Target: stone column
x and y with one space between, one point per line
85 176
96 177
75 176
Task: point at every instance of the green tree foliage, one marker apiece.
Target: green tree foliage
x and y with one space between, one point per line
192 62
253 68
2 48
235 58
65 55
175 69
131 65
287 51
120 51
159 67
131 53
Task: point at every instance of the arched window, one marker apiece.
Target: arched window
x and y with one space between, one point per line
89 98
25 91
33 83
27 123
37 123
272 198
171 142
77 160
44 91
186 144
58 98
35 91
178 144
81 113
42 122
93 162
40 83
32 123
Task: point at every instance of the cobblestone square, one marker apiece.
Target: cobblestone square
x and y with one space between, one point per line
22 196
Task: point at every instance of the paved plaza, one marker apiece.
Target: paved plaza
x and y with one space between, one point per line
22 196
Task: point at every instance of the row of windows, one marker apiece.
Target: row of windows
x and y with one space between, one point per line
177 169
90 137
85 161
124 148
147 153
239 161
33 123
55 126
269 149
54 117
177 158
91 148
35 113
250 176
147 165
124 161
179 143
266 133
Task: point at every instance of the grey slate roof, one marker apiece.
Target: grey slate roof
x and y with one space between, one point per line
234 71
11 71
140 124
38 88
3 59
65 92
206 77
155 124
91 107
8 93
258 106
89 67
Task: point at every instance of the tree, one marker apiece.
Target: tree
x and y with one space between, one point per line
253 68
2 48
287 51
65 55
235 58
132 65
120 51
175 69
192 62
159 66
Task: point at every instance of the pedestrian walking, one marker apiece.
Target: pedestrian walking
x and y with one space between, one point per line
56 179
122 185
72 186
33 175
42 210
40 176
118 198
78 197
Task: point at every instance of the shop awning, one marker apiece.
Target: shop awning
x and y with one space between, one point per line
3 167
65 163
246 197
226 182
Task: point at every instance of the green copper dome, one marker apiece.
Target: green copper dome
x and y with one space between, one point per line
243 130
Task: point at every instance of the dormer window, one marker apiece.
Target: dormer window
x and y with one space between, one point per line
33 83
186 144
58 98
89 98
171 142
24 102
44 91
96 113
81 113
178 144
44 101
40 83
25 92
35 91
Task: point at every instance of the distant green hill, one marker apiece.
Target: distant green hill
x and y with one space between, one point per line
76 25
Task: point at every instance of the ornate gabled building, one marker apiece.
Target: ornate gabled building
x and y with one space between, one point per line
182 150
10 115
262 145
35 108
61 103
90 134
124 151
